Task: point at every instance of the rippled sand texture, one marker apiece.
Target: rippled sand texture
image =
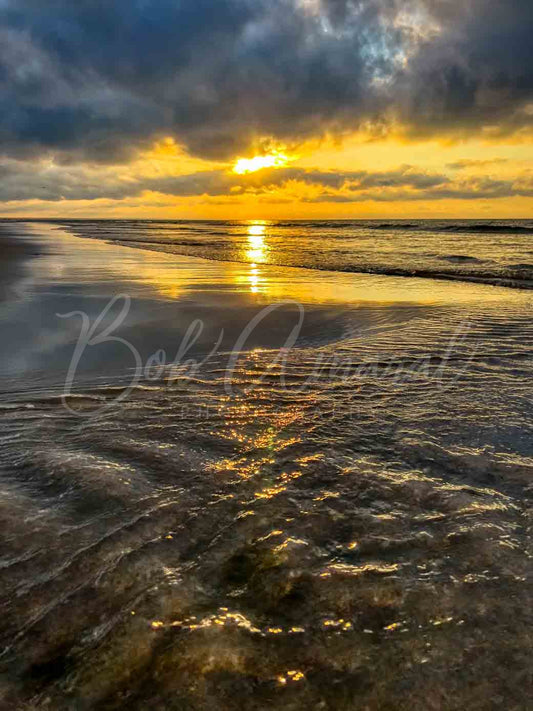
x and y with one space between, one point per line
349 531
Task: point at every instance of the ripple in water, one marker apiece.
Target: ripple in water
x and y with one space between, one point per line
356 543
347 536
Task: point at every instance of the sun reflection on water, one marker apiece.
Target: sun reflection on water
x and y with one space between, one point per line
257 248
257 229
256 252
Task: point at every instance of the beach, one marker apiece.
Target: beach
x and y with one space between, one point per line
230 483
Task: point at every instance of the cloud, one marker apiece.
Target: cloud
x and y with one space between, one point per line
47 181
467 163
98 81
476 73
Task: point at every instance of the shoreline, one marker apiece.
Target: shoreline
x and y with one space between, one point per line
513 280
69 273
16 253
277 535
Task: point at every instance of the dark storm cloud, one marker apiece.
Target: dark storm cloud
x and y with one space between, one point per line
477 71
97 79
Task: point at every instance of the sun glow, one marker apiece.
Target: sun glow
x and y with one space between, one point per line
251 165
257 248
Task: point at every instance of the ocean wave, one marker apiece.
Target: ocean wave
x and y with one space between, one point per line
395 226
165 243
489 229
513 277
458 258
354 246
460 228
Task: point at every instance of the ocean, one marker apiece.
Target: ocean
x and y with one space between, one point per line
286 465
491 251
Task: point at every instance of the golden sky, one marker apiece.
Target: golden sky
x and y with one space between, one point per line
355 177
269 109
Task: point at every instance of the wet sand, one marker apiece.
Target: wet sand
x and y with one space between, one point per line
48 273
17 247
347 530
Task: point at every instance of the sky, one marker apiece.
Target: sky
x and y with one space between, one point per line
266 109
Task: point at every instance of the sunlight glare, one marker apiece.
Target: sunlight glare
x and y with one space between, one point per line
257 249
251 165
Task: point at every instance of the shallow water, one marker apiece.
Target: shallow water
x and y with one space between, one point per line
490 251
346 528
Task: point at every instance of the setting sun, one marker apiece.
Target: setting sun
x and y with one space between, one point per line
251 165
